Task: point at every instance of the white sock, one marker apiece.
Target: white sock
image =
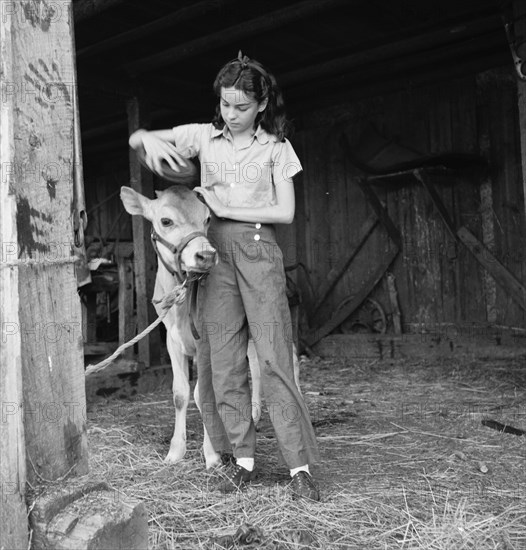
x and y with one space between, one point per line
304 468
247 463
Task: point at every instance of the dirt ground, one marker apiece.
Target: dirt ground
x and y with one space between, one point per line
406 462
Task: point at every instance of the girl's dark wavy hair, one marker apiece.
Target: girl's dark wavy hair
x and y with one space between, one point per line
249 76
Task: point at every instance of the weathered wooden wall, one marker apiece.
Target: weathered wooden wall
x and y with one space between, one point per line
438 280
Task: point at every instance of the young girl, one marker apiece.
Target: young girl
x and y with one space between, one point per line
247 166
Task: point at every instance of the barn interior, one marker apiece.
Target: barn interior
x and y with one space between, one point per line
406 266
410 214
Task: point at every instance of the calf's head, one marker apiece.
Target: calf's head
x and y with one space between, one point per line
176 214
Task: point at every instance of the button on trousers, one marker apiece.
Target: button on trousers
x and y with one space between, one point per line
245 294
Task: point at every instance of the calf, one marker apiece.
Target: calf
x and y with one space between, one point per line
179 224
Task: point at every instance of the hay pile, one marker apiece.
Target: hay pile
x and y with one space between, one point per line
406 463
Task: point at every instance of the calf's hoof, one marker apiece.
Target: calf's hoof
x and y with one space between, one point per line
213 461
174 456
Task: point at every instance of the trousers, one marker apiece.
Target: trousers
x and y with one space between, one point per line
245 294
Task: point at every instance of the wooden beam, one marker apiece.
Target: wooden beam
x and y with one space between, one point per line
485 95
519 9
371 197
86 9
126 310
180 15
423 177
447 341
341 267
392 292
315 335
13 510
408 68
268 22
145 261
362 85
422 40
49 317
507 281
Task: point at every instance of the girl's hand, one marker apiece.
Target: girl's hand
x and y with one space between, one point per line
156 150
217 207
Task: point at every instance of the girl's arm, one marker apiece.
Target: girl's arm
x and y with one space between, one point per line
154 146
281 212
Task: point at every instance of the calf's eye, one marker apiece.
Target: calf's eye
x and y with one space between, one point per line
166 222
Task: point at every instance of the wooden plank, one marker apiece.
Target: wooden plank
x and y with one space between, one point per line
380 211
416 41
393 300
300 228
441 342
316 234
466 198
40 127
504 278
520 10
507 185
127 328
343 264
145 260
13 511
332 168
424 179
180 15
268 22
484 95
341 314
373 200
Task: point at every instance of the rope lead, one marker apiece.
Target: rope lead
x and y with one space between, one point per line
175 296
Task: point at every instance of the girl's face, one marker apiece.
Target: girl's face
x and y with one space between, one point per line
239 110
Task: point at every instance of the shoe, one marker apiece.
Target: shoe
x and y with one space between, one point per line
303 486
235 479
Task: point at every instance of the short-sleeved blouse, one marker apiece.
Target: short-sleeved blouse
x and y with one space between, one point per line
241 177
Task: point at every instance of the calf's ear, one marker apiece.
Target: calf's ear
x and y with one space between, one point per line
135 203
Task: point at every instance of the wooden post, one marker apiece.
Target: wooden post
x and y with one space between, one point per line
127 323
519 15
42 364
145 261
521 89
13 514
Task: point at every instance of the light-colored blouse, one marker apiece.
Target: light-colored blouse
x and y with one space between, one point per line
241 177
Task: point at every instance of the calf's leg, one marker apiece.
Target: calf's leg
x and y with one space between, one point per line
255 380
181 397
212 458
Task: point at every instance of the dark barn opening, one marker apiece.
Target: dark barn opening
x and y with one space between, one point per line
414 225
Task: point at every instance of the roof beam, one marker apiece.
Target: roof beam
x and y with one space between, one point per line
267 22
422 42
182 15
405 75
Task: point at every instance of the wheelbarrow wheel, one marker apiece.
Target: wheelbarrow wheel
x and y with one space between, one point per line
369 317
